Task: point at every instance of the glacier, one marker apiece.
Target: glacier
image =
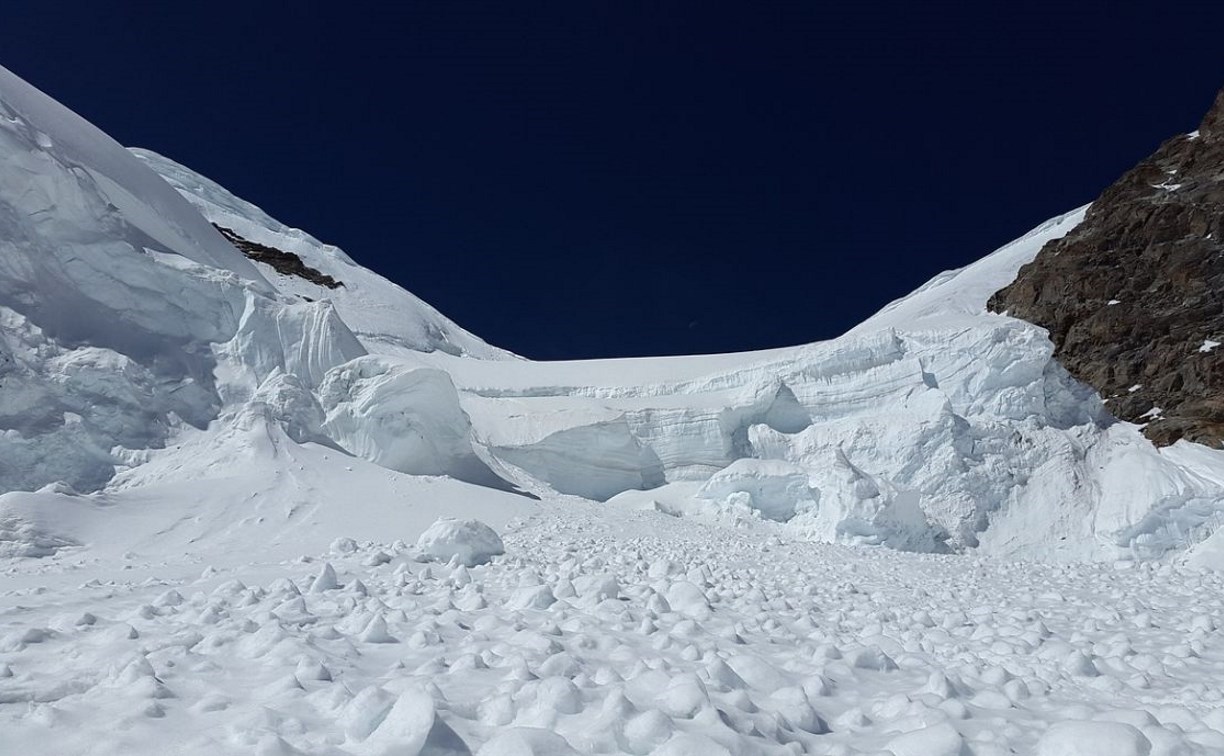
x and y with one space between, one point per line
242 512
933 426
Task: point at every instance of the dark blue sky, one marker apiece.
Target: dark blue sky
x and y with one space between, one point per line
580 179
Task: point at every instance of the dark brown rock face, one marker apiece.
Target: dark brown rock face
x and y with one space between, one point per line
283 262
1133 298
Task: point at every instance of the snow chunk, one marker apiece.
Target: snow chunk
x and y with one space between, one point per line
1208 345
527 741
778 489
936 740
401 417
532 597
1093 739
406 727
685 744
471 540
686 598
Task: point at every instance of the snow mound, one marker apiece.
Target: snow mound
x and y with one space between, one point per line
1093 739
28 531
472 541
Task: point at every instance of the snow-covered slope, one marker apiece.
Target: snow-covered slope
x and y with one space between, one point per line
128 319
386 318
48 148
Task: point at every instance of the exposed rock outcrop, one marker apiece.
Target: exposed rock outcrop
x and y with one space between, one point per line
282 262
1133 298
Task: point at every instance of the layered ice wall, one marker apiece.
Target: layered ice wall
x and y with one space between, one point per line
932 426
111 290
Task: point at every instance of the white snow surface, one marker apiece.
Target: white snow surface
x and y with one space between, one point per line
639 634
922 537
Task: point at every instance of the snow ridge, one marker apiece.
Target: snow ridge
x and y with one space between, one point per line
386 318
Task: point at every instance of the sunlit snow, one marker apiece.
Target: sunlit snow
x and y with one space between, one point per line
243 514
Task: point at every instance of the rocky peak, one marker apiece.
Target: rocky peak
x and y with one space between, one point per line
1133 298
1212 127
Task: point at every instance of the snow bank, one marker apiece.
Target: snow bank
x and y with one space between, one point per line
593 461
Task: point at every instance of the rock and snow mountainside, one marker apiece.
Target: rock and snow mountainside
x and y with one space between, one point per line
133 331
1134 296
211 470
932 426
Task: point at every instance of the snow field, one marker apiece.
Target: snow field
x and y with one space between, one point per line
639 634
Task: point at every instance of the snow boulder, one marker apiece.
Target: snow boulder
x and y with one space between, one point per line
402 417
471 540
412 727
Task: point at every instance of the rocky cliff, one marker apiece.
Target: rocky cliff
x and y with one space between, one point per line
1133 298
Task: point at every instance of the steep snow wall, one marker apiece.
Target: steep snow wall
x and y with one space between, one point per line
112 288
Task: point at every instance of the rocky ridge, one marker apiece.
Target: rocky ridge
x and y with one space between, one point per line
1133 298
